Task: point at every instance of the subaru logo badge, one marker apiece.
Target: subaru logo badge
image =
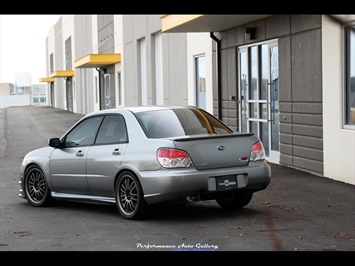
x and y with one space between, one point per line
220 148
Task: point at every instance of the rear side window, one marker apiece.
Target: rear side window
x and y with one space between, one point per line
112 130
180 122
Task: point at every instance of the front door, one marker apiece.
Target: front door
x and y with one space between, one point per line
259 95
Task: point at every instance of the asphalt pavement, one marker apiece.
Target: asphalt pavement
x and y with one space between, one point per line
299 211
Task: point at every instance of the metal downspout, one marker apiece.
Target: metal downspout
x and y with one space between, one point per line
219 71
100 104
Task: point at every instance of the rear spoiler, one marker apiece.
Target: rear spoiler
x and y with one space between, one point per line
216 136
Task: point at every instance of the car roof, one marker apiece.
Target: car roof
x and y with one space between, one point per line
139 109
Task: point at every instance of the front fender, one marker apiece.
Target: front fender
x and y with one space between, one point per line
40 157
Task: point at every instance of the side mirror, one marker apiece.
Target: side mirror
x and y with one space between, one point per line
54 142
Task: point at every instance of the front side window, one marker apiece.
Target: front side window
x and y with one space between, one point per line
350 75
84 133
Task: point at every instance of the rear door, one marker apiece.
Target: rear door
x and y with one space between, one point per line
105 156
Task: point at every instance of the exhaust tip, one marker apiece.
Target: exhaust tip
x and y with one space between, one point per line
191 199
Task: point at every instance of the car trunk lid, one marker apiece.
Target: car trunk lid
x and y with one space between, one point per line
217 151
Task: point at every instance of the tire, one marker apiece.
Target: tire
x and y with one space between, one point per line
129 196
238 201
36 187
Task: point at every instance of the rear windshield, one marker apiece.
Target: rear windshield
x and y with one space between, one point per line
180 122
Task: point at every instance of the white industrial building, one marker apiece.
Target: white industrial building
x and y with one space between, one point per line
287 78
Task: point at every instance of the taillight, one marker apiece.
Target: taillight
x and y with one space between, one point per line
257 152
173 158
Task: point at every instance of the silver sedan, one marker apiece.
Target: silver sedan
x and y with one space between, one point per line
138 156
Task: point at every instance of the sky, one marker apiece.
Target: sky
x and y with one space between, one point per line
23 45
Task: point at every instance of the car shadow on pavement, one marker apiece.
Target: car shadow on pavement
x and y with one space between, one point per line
197 211
206 210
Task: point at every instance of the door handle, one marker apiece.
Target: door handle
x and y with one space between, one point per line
268 103
80 154
116 152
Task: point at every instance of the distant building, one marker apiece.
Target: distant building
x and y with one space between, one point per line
7 89
23 83
8 96
23 93
39 94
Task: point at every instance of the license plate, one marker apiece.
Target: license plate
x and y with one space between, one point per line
226 182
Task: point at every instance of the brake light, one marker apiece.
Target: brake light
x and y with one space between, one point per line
257 152
173 158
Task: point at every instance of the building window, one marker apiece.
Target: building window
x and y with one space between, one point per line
119 83
51 63
200 77
96 90
158 68
350 75
107 91
142 63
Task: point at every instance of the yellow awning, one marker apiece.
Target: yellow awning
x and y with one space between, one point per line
206 23
46 79
62 74
97 60
170 22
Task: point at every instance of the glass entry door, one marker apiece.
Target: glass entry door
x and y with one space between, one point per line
259 95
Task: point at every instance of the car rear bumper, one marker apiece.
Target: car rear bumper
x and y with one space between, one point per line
168 184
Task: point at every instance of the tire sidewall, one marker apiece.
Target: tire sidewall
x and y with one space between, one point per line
141 207
45 200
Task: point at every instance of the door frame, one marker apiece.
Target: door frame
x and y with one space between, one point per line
258 117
